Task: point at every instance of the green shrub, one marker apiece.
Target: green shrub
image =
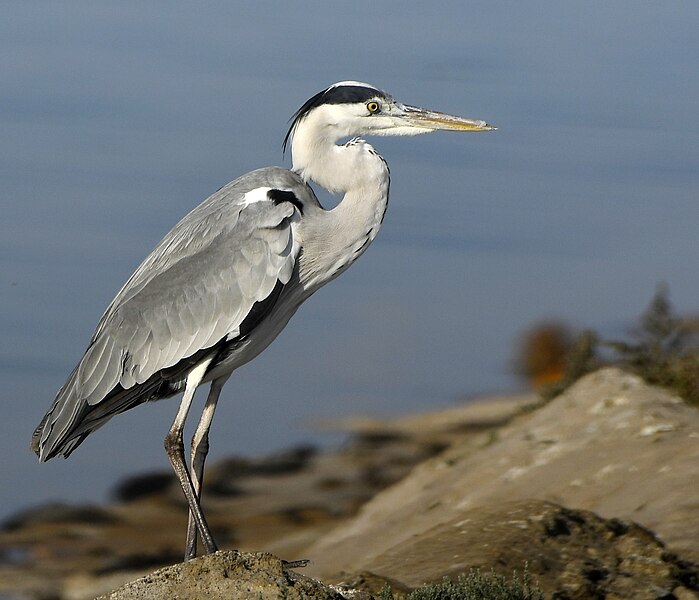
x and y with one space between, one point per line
473 585
664 349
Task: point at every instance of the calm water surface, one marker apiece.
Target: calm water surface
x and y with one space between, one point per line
118 118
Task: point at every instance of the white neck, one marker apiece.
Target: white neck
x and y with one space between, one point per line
336 238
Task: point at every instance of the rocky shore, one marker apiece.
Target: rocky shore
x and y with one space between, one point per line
596 491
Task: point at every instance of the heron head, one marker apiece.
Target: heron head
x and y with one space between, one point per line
351 108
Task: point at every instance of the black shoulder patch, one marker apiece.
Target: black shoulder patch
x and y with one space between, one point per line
335 94
279 196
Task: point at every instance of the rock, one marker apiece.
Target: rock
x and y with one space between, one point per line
143 485
225 575
572 554
682 593
611 444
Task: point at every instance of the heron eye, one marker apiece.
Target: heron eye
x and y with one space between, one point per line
372 107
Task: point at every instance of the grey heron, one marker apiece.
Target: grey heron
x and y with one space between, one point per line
225 281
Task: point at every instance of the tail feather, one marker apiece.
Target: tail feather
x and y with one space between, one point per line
55 427
71 419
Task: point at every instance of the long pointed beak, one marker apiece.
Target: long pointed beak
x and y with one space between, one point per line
433 120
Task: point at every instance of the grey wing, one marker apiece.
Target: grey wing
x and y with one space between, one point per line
193 291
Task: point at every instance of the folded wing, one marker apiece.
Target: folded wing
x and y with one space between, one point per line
230 255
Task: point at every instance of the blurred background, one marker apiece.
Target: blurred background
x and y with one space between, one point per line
117 118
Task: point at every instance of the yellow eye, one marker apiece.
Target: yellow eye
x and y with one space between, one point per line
372 107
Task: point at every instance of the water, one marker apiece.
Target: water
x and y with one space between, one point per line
119 118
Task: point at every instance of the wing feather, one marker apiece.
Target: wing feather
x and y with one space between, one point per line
112 372
101 367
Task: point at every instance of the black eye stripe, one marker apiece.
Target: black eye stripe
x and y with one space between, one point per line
350 93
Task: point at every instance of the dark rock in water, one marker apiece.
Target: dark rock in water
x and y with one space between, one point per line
229 576
224 479
286 461
58 513
143 485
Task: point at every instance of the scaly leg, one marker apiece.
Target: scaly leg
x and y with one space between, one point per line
175 452
200 448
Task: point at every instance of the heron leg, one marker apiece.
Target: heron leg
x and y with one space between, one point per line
175 451
200 448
